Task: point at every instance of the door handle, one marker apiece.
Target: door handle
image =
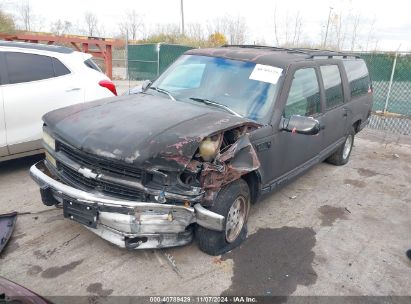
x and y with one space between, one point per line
73 89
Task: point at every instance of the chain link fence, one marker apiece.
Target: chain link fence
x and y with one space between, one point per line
391 78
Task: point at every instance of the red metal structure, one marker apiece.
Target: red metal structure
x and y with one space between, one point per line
98 47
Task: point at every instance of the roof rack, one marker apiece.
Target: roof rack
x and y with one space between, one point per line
311 53
274 48
328 53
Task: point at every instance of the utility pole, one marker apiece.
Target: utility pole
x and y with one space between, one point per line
326 30
182 18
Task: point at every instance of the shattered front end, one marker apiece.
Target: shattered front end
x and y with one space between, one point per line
152 198
129 224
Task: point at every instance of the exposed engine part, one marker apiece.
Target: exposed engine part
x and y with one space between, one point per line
190 179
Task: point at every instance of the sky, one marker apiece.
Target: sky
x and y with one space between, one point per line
384 24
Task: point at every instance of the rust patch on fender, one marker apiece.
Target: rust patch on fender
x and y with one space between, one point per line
240 158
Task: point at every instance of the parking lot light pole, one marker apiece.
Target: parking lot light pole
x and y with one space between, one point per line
182 17
328 25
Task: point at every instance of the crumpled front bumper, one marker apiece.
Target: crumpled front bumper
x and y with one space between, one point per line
128 224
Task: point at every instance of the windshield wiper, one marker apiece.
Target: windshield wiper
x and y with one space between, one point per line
216 104
162 91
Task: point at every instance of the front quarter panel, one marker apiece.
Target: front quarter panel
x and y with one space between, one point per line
263 141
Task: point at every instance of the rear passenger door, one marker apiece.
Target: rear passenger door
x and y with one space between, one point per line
36 84
335 118
3 139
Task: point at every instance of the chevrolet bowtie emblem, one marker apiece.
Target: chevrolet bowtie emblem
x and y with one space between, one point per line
87 173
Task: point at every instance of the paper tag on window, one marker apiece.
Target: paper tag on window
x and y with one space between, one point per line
266 73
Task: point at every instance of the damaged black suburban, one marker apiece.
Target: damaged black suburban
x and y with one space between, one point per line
194 149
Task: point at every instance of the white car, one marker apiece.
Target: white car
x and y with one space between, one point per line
35 79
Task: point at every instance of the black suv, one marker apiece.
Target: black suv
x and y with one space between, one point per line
191 152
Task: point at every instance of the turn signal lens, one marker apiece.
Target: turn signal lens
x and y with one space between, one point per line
50 159
49 141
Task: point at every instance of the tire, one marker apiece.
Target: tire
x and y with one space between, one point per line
342 155
218 242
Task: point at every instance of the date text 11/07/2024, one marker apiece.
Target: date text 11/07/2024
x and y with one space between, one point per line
203 299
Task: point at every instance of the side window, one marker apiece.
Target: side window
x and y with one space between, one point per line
92 65
357 74
59 68
332 85
24 67
304 96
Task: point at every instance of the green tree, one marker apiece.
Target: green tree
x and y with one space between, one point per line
6 23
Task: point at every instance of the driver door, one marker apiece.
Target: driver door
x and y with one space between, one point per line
294 152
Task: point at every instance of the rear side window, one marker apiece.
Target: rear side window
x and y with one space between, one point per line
304 96
59 68
28 67
23 67
92 65
332 85
357 74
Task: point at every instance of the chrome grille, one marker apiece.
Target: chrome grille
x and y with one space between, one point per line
76 179
99 164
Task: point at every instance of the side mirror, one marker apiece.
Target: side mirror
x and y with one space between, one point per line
301 125
138 89
145 85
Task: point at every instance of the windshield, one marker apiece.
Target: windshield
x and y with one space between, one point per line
246 88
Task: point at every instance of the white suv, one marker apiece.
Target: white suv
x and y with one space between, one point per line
35 79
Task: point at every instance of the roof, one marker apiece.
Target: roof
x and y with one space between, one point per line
36 46
268 55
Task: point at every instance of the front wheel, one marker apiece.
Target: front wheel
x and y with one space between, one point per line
233 202
342 155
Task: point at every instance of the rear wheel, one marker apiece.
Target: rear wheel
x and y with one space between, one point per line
233 202
342 155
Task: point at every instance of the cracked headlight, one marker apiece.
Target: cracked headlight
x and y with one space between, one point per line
208 149
49 141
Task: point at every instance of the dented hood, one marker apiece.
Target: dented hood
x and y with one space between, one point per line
143 130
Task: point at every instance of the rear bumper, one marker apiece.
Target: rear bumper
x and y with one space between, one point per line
127 224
